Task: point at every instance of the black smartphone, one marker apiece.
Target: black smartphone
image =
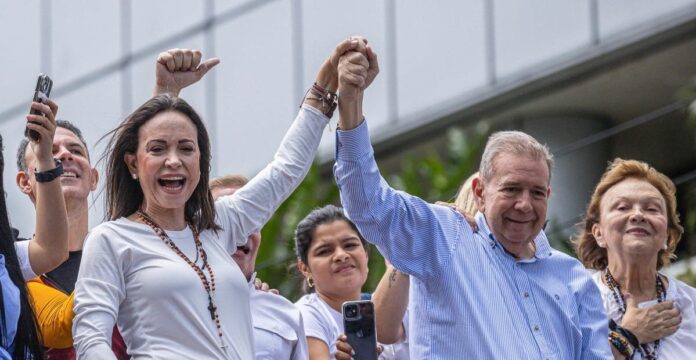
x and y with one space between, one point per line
44 84
359 326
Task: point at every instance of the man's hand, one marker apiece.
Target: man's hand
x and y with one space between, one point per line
356 71
651 323
179 68
45 125
262 286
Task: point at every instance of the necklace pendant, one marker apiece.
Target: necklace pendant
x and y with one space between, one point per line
212 311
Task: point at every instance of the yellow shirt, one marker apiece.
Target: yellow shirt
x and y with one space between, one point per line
54 314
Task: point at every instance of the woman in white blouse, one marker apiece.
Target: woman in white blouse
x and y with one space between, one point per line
161 268
630 232
332 256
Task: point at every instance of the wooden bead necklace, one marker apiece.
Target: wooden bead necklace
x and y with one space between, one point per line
209 286
645 349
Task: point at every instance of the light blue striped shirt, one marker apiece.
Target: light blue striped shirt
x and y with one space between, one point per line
469 297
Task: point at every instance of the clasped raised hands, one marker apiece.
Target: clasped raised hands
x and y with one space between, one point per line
356 69
179 68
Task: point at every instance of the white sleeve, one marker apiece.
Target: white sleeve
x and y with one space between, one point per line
315 325
249 209
98 293
22 249
301 351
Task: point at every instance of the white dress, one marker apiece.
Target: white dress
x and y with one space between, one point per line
326 324
681 344
129 276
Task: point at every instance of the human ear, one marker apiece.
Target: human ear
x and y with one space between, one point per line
131 161
597 233
22 180
302 267
95 179
477 188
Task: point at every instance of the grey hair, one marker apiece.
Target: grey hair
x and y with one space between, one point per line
512 142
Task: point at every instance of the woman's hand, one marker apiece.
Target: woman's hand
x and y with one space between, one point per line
345 352
45 125
469 218
179 68
651 323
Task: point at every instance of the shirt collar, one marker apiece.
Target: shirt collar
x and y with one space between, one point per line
543 248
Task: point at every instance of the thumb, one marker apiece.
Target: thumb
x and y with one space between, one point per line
205 66
372 58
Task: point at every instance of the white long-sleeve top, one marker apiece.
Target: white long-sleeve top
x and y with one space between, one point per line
129 276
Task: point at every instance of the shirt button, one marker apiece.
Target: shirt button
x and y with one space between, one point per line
536 327
526 294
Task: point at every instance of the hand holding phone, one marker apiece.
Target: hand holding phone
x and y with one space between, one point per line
44 84
359 327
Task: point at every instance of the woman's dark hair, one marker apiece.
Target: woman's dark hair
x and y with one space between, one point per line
27 343
304 233
124 195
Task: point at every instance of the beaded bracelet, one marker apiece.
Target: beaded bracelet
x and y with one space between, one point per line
621 344
329 99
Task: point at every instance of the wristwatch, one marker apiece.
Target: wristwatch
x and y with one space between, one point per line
49 175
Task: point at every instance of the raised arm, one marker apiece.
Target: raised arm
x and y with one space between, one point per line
254 204
417 237
49 247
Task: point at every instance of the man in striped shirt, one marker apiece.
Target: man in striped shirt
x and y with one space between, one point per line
499 293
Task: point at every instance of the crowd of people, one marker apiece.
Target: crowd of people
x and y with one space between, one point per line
171 272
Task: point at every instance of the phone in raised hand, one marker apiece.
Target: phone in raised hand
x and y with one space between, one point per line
44 84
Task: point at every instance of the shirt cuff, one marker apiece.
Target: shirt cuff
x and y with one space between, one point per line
316 111
22 249
353 144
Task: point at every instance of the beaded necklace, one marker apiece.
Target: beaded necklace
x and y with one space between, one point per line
648 352
209 286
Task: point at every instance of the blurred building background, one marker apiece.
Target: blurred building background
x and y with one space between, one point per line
594 79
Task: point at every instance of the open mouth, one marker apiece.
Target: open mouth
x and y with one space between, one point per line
172 183
69 174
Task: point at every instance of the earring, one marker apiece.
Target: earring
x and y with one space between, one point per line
135 177
665 247
310 282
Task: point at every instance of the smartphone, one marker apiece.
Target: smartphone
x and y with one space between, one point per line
44 84
359 326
